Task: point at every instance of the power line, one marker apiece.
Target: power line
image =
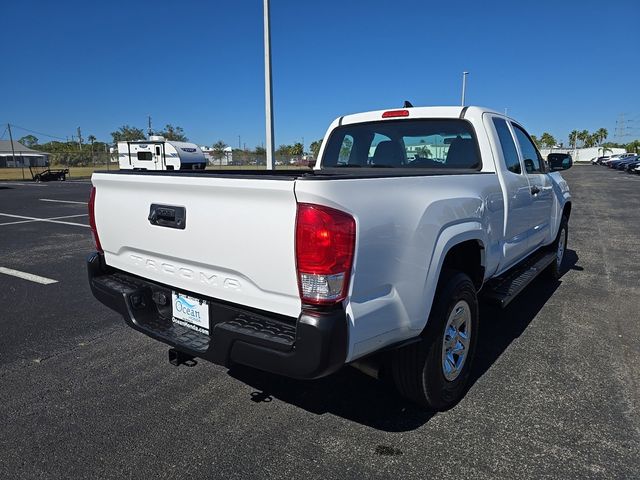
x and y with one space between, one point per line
5 131
37 133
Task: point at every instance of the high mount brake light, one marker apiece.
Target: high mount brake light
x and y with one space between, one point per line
325 243
395 113
92 219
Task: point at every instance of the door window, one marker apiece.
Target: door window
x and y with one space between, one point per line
532 160
509 151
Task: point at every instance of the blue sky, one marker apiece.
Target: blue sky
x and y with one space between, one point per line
199 64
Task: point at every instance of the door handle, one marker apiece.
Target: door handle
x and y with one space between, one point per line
535 190
167 216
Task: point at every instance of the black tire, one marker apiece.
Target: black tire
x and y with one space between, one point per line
556 269
417 369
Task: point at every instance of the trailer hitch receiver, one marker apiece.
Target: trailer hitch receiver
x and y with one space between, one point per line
177 358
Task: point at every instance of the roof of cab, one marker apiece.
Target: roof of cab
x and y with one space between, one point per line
417 112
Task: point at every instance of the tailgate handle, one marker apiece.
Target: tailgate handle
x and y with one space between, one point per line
168 216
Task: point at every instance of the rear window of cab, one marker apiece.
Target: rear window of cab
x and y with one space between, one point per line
422 143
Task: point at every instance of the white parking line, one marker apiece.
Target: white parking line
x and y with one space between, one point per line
61 201
23 184
48 220
27 276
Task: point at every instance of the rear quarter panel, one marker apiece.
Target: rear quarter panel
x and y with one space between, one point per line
404 228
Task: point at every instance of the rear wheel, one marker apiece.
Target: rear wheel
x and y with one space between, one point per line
434 372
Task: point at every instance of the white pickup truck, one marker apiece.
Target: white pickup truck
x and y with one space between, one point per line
380 251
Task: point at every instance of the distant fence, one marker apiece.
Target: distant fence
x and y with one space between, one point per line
82 159
248 159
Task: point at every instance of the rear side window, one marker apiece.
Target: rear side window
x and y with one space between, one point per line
426 143
144 156
508 146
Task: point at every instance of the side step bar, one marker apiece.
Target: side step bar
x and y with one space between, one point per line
506 287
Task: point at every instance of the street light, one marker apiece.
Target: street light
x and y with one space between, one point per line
268 91
464 85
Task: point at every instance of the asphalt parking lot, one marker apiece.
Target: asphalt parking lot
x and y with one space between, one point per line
556 386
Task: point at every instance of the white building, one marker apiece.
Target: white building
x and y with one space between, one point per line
583 154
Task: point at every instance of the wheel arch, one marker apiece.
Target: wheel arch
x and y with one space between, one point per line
460 247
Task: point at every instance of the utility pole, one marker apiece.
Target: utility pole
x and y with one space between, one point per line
239 144
464 85
79 139
268 90
149 131
13 152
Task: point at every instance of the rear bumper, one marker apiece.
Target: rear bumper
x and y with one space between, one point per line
312 346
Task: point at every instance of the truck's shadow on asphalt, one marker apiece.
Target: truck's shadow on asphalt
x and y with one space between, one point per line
354 396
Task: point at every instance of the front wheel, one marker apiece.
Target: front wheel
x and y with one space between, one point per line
434 372
560 249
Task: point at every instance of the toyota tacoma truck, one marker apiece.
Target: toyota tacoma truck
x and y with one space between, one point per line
380 251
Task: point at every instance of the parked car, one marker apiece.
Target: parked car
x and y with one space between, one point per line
368 257
629 167
599 160
615 158
621 164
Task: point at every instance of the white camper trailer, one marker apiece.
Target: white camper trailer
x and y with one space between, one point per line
157 153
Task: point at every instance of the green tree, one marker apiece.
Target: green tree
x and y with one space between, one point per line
284 150
548 140
573 138
633 146
536 140
218 150
259 150
127 134
583 136
29 141
590 140
602 134
91 139
297 149
315 148
173 133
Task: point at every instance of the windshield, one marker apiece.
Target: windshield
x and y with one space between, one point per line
427 143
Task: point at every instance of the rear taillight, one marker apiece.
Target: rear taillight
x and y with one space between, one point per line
92 219
325 242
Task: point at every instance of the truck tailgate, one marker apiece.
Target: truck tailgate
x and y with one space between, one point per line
237 244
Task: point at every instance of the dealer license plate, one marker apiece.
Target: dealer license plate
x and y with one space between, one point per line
190 312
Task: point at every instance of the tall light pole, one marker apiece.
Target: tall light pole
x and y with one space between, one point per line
268 90
464 85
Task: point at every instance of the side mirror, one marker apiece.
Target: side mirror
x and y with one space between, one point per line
559 161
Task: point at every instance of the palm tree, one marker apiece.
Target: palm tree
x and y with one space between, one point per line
591 140
583 136
573 138
547 140
218 150
602 135
92 139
